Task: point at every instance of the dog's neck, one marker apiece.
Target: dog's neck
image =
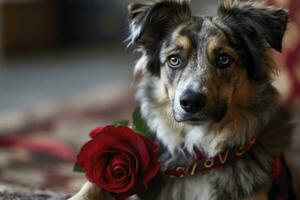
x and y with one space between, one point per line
210 138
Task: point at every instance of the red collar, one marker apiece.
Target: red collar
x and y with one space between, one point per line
201 164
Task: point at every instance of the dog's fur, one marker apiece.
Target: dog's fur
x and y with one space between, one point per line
241 101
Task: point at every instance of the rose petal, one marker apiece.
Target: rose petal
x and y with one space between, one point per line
129 138
118 162
95 132
139 144
109 183
119 172
94 146
93 174
102 144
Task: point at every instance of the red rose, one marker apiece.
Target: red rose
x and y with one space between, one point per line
119 160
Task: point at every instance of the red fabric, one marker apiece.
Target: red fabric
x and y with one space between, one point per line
278 168
39 144
282 182
289 60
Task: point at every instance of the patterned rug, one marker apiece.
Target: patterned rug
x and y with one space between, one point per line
39 151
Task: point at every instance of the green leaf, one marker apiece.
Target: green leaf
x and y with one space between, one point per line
77 168
122 123
140 125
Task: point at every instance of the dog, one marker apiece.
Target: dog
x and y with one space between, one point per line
206 84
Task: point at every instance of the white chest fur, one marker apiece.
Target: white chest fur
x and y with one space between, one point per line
188 188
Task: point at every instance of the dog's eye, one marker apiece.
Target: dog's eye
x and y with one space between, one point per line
224 61
174 61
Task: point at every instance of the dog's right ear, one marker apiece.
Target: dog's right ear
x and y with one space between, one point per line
151 20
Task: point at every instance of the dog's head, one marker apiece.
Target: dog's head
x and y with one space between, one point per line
208 66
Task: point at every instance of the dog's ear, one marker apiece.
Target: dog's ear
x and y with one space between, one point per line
266 22
150 20
258 26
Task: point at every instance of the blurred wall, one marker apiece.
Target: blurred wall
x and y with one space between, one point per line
92 21
33 25
1 37
204 7
30 25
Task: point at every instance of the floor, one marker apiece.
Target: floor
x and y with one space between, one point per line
26 81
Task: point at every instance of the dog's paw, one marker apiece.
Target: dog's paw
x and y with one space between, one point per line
90 192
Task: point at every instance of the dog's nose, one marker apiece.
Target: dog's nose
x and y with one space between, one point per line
192 101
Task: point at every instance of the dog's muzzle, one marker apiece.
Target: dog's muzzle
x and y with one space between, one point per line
192 101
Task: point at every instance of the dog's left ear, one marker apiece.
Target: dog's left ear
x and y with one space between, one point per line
265 22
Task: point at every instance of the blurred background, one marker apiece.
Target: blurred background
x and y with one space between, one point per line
64 69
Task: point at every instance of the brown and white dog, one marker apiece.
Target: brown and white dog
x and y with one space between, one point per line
207 85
